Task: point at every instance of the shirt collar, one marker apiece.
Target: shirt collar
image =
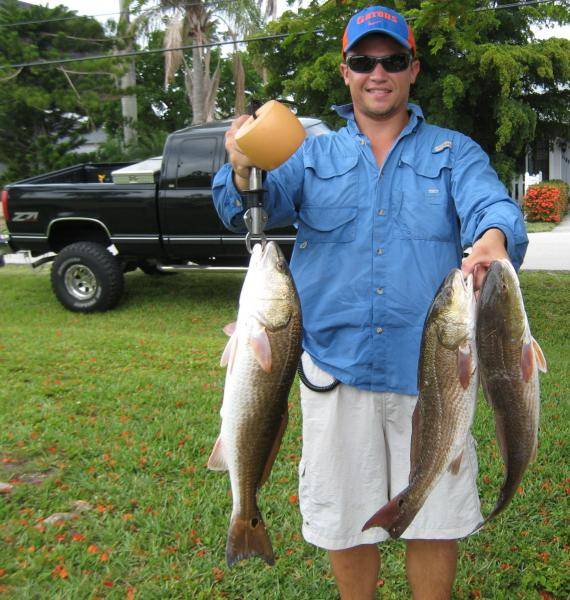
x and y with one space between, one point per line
346 111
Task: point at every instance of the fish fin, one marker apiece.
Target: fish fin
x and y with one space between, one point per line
261 349
501 435
229 353
247 538
539 355
464 369
527 360
230 328
217 460
455 464
387 516
534 451
274 449
415 443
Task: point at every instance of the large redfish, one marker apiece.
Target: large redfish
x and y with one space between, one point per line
447 383
261 356
509 360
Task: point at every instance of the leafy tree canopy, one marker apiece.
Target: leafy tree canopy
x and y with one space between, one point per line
482 71
45 109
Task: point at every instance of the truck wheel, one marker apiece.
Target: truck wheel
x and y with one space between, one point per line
85 277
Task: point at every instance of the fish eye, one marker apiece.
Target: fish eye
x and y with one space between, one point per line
280 265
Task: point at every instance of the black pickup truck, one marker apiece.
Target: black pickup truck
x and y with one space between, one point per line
98 221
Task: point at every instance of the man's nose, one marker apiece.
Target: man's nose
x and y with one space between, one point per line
378 71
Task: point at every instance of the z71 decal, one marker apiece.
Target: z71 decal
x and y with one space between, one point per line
25 217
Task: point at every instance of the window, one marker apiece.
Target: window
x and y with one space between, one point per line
196 162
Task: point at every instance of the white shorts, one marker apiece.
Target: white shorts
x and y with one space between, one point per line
356 457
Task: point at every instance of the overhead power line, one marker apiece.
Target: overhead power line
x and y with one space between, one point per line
62 61
222 2
110 14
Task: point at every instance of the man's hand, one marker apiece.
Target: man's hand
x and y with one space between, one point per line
489 247
239 161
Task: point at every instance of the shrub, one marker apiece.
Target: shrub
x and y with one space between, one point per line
546 201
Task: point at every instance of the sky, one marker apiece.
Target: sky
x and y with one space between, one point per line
110 9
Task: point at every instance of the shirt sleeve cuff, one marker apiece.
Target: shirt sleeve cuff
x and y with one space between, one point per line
230 203
515 247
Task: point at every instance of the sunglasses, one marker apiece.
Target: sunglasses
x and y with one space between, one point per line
395 63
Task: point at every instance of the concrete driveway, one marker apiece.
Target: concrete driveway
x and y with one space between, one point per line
549 251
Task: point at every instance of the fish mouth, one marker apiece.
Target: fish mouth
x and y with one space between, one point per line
271 255
467 282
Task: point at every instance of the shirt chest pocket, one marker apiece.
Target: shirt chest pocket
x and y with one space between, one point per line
325 224
331 180
423 206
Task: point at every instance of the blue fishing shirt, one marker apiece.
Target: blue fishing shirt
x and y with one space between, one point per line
374 244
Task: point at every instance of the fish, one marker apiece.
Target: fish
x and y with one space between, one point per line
510 359
447 383
261 358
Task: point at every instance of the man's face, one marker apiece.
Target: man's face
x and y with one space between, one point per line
379 94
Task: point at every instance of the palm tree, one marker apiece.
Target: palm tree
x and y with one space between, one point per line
195 22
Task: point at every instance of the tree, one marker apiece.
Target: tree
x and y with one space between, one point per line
127 79
482 71
45 109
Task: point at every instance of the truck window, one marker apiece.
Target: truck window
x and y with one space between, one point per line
196 162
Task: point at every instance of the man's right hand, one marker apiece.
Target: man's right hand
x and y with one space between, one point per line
239 161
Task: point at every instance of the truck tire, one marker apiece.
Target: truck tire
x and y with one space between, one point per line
86 278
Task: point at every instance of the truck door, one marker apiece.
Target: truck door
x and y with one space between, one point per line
191 227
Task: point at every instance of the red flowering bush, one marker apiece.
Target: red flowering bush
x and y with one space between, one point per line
546 201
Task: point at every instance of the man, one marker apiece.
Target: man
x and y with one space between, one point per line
384 208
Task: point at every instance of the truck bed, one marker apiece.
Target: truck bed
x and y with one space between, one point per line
83 173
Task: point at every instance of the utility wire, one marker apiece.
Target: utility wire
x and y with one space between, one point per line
62 61
70 18
222 2
212 44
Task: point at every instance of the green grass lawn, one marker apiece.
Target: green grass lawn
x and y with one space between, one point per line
120 410
539 226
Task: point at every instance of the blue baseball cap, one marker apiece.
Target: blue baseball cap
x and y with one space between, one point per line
378 19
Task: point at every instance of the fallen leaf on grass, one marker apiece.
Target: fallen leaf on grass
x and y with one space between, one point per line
5 488
57 517
92 549
130 593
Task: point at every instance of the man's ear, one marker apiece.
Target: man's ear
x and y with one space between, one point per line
344 72
415 70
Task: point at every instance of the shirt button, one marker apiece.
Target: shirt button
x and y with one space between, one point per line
303 245
379 291
379 251
362 142
381 212
379 330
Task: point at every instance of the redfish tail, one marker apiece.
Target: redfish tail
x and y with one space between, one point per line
501 504
247 538
388 517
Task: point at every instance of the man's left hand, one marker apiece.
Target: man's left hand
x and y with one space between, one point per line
489 247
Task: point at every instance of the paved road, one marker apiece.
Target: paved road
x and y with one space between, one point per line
549 251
